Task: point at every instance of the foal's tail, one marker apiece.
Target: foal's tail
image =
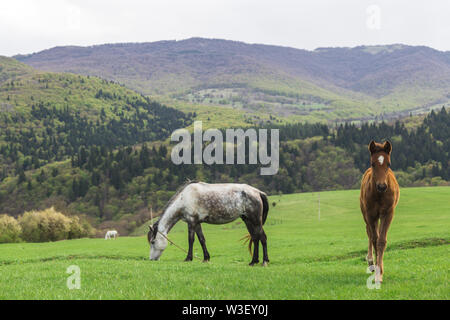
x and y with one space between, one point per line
248 237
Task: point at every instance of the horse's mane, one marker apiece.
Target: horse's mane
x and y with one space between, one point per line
172 199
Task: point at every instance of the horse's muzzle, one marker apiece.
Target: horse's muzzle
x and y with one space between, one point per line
382 187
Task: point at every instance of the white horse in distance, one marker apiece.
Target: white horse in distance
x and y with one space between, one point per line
111 233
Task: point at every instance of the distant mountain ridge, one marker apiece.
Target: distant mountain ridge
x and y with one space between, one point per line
379 79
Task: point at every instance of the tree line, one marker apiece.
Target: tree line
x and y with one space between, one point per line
64 132
117 181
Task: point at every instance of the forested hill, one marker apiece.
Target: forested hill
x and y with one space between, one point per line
327 83
116 187
46 117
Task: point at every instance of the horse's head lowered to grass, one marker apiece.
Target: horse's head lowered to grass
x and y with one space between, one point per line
157 241
380 159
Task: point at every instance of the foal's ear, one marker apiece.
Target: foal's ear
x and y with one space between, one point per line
372 146
387 147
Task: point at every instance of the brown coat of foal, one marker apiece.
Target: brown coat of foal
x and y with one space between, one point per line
379 197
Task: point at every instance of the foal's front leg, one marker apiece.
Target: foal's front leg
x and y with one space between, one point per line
369 257
372 233
191 238
385 222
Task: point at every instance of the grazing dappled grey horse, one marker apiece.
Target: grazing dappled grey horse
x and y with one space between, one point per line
198 202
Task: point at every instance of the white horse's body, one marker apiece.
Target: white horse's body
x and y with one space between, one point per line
111 233
198 202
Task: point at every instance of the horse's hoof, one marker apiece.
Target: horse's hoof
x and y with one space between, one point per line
188 260
265 263
251 264
206 260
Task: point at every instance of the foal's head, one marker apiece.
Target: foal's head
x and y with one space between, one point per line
380 159
157 242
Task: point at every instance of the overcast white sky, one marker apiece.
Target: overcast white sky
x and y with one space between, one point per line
28 26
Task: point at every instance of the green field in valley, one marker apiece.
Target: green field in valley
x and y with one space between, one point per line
309 258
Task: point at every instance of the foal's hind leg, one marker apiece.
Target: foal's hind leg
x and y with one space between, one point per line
201 238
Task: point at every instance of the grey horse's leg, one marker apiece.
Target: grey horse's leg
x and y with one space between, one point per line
191 238
263 239
255 238
201 238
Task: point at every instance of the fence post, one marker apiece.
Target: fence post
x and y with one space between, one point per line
318 196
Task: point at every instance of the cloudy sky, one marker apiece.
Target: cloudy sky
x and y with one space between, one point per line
28 26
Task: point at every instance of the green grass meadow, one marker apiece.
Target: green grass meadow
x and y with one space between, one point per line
309 258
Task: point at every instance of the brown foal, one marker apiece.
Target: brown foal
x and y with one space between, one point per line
379 197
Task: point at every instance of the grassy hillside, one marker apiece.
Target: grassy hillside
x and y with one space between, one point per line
309 258
325 84
22 87
11 68
49 116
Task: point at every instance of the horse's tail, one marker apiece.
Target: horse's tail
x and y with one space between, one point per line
265 203
265 207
